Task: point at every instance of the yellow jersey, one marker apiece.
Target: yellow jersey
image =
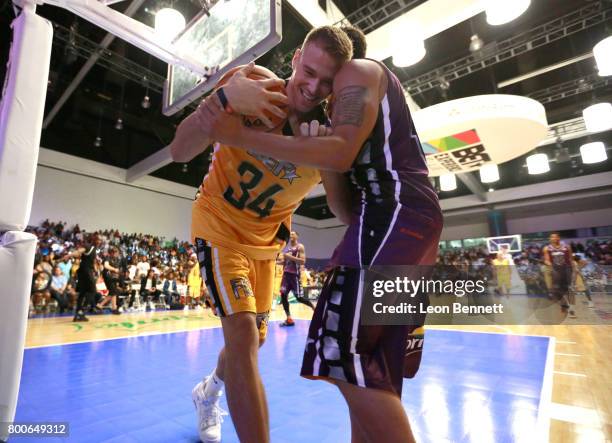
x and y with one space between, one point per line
194 278
246 201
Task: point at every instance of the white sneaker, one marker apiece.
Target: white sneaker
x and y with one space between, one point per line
186 308
198 308
590 304
210 414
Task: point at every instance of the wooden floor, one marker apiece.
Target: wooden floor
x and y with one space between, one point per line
581 404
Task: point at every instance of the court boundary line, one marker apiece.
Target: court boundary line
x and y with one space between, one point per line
97 340
545 405
488 332
146 334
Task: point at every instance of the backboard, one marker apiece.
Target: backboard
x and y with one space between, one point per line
511 243
232 33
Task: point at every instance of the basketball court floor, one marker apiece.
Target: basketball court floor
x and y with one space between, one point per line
129 379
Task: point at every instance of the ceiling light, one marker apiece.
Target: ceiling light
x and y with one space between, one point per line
409 46
408 57
98 142
168 23
503 11
489 173
476 43
119 124
593 153
448 182
537 164
603 56
146 102
598 117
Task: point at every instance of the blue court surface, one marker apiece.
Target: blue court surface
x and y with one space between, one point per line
471 387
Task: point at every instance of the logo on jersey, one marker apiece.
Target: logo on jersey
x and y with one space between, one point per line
284 170
414 344
241 288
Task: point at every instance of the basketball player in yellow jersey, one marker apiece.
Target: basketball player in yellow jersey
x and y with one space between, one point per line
239 223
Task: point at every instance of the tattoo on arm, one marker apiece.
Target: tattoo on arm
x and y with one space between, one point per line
349 106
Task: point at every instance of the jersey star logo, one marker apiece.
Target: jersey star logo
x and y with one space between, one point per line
289 172
287 169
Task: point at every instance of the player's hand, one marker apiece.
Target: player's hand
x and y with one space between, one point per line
253 97
314 129
217 124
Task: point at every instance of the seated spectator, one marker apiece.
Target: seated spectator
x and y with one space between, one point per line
57 289
142 267
148 289
46 263
41 281
170 289
111 274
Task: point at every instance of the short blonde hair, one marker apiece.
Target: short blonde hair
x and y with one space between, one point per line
332 40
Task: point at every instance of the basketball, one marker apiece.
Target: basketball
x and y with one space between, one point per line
259 73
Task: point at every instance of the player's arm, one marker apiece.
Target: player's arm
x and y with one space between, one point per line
108 267
77 253
546 256
245 96
338 195
253 97
357 96
572 261
300 258
190 139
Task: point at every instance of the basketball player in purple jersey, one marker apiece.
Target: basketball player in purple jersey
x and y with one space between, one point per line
375 175
558 257
294 257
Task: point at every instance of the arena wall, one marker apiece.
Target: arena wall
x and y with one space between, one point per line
95 200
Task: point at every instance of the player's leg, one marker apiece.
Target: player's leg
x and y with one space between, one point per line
226 275
358 364
387 422
245 394
299 295
284 293
261 277
357 435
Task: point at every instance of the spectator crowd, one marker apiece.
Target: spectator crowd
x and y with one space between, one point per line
141 271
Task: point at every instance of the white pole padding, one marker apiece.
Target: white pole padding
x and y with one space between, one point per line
16 263
21 115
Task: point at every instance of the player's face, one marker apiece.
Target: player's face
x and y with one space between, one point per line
554 239
293 237
312 79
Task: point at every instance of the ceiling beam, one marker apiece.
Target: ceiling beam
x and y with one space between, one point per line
544 70
473 185
150 164
91 61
